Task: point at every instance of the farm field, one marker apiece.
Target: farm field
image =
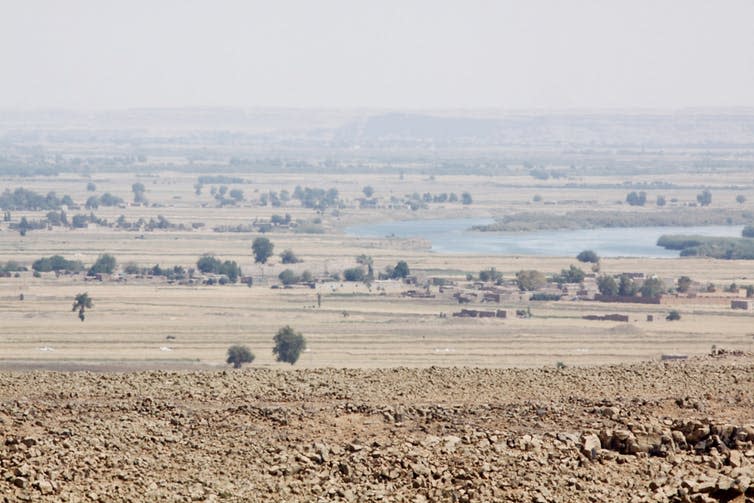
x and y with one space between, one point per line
146 322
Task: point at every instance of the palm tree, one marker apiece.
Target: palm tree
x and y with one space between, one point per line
82 302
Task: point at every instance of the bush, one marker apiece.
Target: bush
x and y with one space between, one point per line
571 275
545 297
490 274
57 263
288 257
673 315
238 355
354 274
210 264
588 256
748 231
288 345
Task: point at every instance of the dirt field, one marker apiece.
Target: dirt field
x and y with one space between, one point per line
681 431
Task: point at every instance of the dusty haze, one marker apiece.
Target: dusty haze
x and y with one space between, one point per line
541 54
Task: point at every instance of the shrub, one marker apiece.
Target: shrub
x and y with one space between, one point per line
748 231
571 275
354 274
238 355
545 297
490 274
57 263
673 315
288 345
288 257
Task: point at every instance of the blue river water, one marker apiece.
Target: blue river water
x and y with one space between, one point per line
455 236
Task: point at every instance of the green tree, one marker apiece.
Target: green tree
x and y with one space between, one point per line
661 201
652 287
466 198
368 191
208 263
105 264
636 199
673 315
571 275
704 198
626 286
288 277
588 256
530 280
288 345
90 187
748 231
740 199
262 248
684 283
238 355
81 303
607 285
369 262
400 270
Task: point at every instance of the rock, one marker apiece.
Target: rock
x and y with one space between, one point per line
590 445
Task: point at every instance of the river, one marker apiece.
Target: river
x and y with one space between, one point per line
454 236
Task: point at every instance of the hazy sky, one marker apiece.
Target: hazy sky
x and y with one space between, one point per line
381 53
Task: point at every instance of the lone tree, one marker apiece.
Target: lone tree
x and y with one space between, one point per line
262 248
138 189
368 191
82 302
288 345
704 198
588 256
238 355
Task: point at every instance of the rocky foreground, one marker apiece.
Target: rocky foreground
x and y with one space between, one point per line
681 431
